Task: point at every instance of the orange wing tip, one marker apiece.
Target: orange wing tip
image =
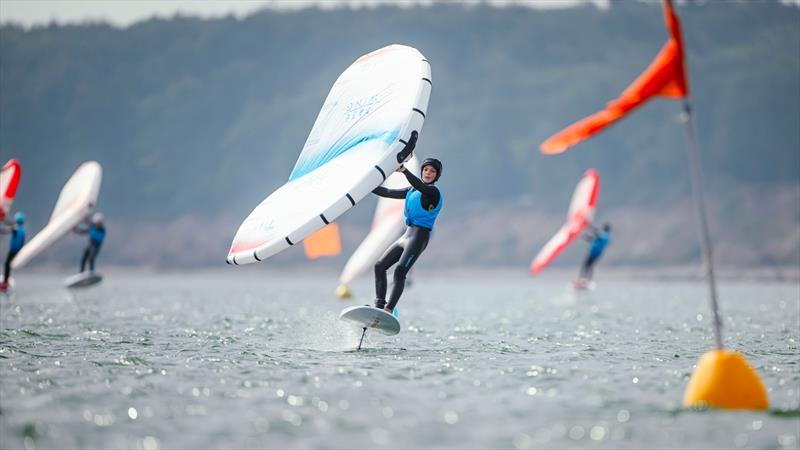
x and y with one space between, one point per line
549 147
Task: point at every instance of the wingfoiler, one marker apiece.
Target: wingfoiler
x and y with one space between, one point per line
356 142
581 214
75 202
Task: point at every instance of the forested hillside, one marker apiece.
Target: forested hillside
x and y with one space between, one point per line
196 121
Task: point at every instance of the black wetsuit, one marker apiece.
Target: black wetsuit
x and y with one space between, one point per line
587 269
7 265
89 255
17 241
409 247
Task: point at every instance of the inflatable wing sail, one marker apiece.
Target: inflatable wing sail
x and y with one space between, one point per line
581 213
356 141
9 180
325 242
388 224
75 202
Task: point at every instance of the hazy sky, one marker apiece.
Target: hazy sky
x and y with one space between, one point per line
125 12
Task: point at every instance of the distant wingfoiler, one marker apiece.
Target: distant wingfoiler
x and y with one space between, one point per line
581 214
357 140
75 202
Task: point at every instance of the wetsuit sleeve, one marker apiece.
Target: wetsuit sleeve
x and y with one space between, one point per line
425 189
80 230
430 193
390 193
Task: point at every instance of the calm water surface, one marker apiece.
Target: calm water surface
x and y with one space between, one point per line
215 361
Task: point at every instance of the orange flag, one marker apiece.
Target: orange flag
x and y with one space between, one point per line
666 77
325 242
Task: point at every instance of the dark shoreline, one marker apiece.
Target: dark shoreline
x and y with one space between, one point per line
610 273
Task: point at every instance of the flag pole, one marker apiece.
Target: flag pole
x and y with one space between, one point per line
721 379
696 171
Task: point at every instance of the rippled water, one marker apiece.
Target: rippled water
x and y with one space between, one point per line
220 360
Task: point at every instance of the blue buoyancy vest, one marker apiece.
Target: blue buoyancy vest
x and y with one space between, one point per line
599 244
97 234
418 216
17 238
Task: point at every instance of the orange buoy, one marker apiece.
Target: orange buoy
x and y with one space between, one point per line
725 380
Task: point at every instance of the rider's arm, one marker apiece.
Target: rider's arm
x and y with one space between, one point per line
82 227
426 189
390 193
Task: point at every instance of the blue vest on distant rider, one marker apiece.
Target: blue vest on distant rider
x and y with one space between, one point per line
17 239
97 234
418 216
599 244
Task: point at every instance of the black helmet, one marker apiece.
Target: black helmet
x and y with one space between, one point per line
436 165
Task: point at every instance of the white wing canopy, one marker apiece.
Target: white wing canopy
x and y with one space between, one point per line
364 123
75 202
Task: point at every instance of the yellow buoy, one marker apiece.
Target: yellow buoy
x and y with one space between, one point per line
725 380
343 291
